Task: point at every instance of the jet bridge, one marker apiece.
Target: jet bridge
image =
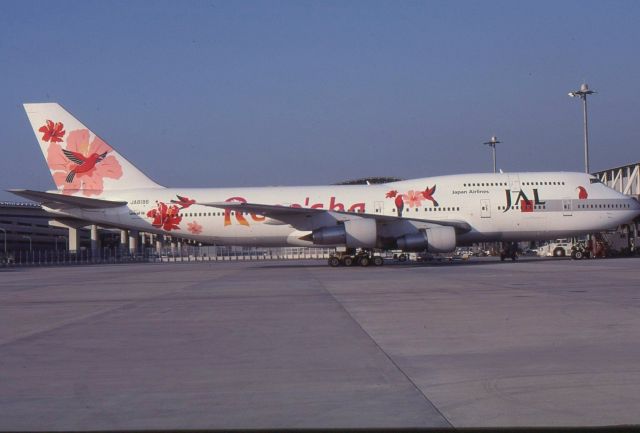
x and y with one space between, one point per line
624 179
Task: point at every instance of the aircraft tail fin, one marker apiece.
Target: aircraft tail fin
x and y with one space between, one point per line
81 163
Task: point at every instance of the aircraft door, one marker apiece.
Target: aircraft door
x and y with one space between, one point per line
567 208
485 208
378 207
514 183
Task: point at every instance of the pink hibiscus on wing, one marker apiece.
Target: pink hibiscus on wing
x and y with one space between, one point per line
194 228
89 162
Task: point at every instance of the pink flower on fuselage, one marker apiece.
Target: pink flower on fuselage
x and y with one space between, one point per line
194 228
413 198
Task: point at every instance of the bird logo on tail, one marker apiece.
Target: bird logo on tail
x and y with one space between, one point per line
83 163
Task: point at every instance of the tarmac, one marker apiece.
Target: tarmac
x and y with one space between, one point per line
248 345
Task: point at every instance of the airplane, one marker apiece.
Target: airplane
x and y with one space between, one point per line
97 184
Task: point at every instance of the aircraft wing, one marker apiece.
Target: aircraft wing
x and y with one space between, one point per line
61 201
311 219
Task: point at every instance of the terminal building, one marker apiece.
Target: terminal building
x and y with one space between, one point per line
28 227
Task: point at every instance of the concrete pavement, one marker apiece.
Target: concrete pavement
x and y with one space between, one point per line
299 344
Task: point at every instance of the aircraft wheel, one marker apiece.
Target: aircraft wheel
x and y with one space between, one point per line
347 260
378 261
365 261
334 262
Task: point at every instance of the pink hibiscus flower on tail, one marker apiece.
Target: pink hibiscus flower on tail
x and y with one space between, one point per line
82 165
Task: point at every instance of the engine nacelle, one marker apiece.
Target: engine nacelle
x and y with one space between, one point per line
354 233
434 240
335 235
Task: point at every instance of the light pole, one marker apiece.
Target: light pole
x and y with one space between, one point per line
5 241
582 94
492 144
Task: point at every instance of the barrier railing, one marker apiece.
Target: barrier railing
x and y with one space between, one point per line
187 253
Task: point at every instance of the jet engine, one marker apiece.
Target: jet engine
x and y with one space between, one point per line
354 233
434 240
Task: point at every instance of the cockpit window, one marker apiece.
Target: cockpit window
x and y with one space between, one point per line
594 180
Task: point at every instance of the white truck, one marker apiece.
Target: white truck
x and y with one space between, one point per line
557 248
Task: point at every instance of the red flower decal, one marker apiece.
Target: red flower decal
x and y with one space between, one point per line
194 228
52 132
165 217
392 193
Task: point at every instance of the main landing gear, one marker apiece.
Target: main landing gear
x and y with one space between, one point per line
509 251
361 258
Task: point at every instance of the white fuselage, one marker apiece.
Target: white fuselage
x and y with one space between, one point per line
498 207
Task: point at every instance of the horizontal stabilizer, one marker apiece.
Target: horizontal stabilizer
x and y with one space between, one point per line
60 201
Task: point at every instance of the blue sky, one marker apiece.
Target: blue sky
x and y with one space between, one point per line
210 93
